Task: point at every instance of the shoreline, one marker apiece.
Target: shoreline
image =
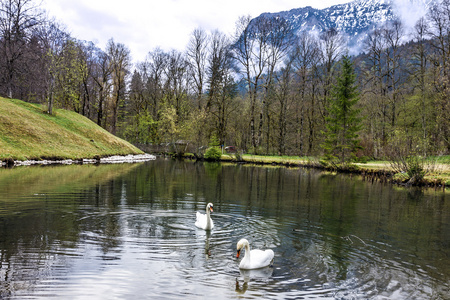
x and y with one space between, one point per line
114 159
379 174
375 173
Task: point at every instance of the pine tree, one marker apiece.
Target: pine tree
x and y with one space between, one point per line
342 122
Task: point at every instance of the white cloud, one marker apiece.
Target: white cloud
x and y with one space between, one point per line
410 11
143 25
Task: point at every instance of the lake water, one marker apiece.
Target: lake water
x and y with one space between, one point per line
127 232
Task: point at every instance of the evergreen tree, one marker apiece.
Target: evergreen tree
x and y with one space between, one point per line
342 122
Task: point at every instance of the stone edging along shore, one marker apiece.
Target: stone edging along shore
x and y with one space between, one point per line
117 159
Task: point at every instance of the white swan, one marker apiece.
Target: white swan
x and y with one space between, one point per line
205 221
253 259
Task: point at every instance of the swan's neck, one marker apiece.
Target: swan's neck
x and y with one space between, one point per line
247 252
208 218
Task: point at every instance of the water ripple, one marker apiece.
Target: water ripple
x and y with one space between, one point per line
154 249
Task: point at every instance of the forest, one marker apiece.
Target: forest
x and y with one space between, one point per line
263 90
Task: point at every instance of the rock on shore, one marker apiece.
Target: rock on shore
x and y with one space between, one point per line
105 160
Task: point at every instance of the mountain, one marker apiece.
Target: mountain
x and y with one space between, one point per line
355 19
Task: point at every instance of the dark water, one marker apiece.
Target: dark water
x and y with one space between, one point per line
127 232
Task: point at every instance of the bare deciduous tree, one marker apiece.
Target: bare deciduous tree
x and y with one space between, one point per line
153 73
280 37
54 37
221 87
418 72
332 45
177 78
284 95
393 35
307 57
439 17
376 88
250 51
120 64
18 20
197 55
101 74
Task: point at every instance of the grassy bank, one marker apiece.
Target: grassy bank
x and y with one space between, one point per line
28 132
437 175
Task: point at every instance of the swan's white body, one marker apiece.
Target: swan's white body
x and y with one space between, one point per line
254 259
204 221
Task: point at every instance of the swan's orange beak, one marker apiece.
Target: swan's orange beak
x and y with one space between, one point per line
211 209
238 253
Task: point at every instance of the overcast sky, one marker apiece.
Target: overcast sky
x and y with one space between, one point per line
143 25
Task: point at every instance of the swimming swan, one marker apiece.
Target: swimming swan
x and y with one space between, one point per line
253 259
205 221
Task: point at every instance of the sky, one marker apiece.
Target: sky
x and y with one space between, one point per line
143 25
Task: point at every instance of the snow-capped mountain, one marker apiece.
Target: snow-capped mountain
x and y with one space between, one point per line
355 19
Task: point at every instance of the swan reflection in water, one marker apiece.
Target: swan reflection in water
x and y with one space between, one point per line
207 245
255 274
206 236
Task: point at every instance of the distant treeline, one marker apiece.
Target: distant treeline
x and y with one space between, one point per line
263 90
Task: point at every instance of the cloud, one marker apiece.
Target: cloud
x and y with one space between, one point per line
168 24
87 22
410 11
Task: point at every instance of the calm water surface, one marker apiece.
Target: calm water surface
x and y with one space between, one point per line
127 232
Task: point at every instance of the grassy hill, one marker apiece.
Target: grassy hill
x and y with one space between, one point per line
28 132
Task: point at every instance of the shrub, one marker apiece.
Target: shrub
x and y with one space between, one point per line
413 167
213 154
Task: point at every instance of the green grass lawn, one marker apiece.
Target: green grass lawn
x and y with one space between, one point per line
28 132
